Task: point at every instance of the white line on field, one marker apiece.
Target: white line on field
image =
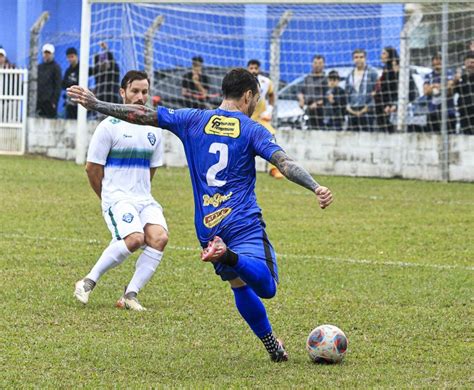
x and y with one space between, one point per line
376 197
391 263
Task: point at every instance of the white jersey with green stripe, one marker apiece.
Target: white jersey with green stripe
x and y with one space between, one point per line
127 152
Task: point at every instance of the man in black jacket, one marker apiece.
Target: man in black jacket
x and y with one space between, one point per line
107 75
49 84
71 77
335 103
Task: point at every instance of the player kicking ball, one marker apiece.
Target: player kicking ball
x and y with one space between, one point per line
121 162
220 147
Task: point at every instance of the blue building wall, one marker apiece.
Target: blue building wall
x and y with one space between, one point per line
224 35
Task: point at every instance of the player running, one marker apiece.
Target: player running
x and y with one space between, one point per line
121 162
264 108
220 147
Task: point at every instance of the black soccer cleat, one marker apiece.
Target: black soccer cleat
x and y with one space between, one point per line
280 355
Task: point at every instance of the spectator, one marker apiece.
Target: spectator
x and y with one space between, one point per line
432 91
71 77
4 63
386 96
465 89
107 75
335 103
49 84
313 92
195 85
360 91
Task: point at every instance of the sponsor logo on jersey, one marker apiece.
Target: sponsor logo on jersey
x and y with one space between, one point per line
128 218
170 110
223 126
127 136
211 220
152 138
215 200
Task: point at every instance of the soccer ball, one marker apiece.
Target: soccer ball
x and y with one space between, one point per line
327 344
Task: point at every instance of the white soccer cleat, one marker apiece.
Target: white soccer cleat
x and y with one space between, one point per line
80 292
133 304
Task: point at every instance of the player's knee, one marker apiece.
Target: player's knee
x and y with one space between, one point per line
268 291
157 241
135 241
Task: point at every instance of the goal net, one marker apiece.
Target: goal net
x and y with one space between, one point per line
163 38
374 67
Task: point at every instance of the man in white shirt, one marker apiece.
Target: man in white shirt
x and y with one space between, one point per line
121 162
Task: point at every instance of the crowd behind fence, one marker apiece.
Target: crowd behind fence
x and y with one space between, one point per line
362 94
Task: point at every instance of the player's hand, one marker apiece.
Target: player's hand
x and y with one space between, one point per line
324 196
265 117
82 96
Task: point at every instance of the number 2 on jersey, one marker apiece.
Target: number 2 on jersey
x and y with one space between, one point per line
223 150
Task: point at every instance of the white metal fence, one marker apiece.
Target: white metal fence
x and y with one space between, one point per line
13 107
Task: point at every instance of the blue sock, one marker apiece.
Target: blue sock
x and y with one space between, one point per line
256 274
252 310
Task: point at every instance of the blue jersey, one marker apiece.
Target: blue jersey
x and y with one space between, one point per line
220 148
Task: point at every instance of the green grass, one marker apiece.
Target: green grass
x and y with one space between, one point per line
390 262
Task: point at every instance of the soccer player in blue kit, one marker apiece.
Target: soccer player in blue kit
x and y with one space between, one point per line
220 147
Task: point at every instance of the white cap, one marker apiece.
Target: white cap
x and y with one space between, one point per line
3 52
48 47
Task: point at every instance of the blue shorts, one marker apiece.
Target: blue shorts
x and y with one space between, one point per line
253 243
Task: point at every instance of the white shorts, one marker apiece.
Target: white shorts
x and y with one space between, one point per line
125 217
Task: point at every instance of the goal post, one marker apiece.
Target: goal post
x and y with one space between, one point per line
81 134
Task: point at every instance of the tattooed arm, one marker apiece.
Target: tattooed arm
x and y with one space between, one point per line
133 113
296 173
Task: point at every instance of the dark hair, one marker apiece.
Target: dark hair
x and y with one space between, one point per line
333 75
359 51
253 62
392 56
238 81
436 56
469 56
133 75
71 50
319 57
197 59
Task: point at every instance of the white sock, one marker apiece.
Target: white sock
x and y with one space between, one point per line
146 266
111 257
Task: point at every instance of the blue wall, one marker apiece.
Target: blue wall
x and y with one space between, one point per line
226 35
311 31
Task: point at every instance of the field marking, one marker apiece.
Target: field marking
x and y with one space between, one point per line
377 198
348 260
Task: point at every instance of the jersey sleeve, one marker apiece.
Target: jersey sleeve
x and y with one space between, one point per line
264 143
175 121
270 87
100 145
157 157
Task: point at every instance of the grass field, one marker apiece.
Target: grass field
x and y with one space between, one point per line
390 262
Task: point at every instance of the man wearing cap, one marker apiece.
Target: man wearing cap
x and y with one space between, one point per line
71 77
4 63
49 84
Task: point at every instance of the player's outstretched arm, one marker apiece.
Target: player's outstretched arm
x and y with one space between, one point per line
296 173
133 113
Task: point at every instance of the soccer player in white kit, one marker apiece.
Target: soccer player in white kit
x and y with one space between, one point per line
121 162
